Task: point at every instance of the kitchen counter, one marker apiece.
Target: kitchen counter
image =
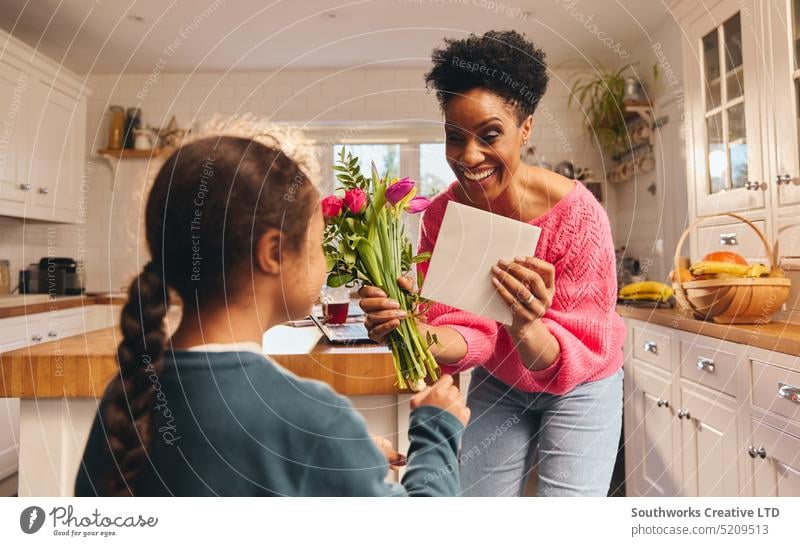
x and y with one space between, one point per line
81 366
59 384
782 337
29 304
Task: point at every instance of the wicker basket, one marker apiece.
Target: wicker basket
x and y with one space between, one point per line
737 300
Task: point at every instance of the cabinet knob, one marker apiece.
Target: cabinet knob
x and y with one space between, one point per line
760 452
705 364
651 347
788 392
44 190
684 414
25 187
661 403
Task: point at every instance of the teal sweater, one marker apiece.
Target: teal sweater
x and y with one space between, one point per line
238 424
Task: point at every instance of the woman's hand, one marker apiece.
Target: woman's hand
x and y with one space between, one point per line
383 313
527 285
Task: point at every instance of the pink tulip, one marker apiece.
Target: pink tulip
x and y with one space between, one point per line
331 206
355 200
399 190
418 204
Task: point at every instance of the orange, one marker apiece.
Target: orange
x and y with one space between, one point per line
724 256
683 275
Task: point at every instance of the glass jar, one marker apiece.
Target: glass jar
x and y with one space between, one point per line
116 128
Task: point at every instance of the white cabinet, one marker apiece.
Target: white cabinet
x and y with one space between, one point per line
708 417
14 110
43 139
18 332
724 72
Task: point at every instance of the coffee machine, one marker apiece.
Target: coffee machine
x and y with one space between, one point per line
53 276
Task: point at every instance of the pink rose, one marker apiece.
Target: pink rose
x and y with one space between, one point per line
355 200
399 190
331 206
418 204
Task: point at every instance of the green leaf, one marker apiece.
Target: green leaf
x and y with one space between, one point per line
421 257
339 279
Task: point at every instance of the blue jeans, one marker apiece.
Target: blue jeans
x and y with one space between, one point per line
577 435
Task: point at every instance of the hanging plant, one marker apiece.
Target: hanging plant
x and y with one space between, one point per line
600 96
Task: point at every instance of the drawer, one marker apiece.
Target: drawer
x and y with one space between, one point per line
651 345
708 365
739 238
776 389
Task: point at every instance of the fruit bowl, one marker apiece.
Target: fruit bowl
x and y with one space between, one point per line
733 300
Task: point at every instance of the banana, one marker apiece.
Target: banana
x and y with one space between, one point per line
757 270
647 296
715 268
646 290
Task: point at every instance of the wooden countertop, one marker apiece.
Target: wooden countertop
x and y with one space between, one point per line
30 304
782 337
81 366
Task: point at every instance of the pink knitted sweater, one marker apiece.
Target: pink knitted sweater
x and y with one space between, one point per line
576 239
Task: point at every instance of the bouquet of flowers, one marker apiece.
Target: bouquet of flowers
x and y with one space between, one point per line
365 241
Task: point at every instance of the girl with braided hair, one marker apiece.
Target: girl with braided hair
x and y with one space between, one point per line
234 229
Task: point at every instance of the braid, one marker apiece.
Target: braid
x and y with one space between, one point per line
128 414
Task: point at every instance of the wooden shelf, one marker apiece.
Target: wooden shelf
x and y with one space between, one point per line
130 153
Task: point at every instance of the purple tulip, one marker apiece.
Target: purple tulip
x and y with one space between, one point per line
397 191
418 204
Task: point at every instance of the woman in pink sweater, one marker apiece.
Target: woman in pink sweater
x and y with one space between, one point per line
552 380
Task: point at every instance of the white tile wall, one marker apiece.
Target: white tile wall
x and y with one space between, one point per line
114 243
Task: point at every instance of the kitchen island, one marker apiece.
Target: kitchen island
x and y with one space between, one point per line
60 384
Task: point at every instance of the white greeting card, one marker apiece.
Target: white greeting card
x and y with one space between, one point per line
470 242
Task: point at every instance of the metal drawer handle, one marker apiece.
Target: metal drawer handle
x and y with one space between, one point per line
651 347
44 190
661 403
729 239
52 333
706 364
755 185
36 337
684 414
789 392
783 178
25 187
760 452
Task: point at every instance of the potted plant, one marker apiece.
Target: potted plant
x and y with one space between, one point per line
600 95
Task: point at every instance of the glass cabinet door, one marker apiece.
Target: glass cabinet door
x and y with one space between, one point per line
725 110
784 28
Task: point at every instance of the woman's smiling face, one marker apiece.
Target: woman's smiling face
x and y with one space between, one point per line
483 140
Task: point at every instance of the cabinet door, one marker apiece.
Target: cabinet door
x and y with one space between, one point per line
15 96
784 26
776 461
653 464
711 464
54 167
724 75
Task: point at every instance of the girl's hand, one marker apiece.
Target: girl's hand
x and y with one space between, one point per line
527 285
395 459
383 313
443 395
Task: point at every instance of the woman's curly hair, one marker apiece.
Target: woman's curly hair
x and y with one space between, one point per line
502 62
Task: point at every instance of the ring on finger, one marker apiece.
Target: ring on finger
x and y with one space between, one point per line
529 301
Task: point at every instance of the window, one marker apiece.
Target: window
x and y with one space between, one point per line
385 156
424 162
435 175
